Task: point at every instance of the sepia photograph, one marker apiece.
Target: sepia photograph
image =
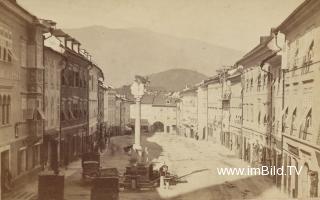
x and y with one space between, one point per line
159 99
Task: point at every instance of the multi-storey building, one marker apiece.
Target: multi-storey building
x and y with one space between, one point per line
188 115
54 62
214 108
102 112
158 112
256 86
21 91
95 74
301 110
110 97
202 93
74 138
233 94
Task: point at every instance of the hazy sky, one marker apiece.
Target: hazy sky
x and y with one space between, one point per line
235 24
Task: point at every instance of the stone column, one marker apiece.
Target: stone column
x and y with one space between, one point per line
137 131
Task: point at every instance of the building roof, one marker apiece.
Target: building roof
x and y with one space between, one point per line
15 8
257 51
306 9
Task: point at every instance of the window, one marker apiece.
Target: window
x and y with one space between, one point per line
52 111
259 82
307 126
295 62
5 44
284 120
77 80
23 53
64 79
22 160
310 51
35 155
252 113
259 118
265 119
293 121
5 103
63 113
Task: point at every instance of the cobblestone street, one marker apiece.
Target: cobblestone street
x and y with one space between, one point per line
183 156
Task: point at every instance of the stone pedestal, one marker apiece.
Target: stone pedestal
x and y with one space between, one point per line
51 186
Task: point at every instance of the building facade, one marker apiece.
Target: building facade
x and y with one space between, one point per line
74 134
214 109
233 94
202 111
188 116
257 105
21 91
95 74
300 116
54 62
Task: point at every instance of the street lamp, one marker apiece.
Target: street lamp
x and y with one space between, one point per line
138 90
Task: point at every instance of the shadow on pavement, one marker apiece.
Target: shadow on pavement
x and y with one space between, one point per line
245 188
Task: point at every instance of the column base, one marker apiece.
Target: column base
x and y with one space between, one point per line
137 147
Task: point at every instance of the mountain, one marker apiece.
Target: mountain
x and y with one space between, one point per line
175 79
123 53
163 82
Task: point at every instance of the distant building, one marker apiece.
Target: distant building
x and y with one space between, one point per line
214 108
188 112
102 112
95 74
158 113
202 111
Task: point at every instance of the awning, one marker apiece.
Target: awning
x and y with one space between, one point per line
34 114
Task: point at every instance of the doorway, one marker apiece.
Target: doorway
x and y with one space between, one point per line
4 167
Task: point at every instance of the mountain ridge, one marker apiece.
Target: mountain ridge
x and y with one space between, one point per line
123 53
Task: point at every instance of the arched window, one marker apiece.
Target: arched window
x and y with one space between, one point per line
307 126
310 51
259 118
